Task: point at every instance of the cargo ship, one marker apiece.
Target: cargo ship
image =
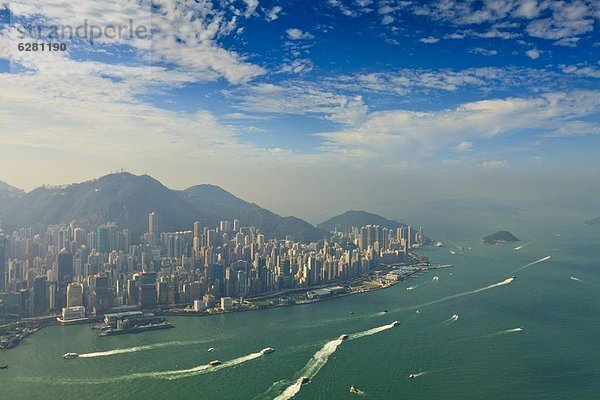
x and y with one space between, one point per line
136 329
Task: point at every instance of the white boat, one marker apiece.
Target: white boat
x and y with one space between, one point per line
267 350
439 244
211 349
70 355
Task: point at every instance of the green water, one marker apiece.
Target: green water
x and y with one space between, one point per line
554 357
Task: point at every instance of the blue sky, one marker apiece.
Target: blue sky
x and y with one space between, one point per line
256 94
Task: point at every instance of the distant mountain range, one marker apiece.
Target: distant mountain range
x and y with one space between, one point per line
128 199
353 218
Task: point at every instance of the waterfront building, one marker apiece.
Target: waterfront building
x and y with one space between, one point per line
74 295
226 303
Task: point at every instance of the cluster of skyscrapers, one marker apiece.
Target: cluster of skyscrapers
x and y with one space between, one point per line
101 268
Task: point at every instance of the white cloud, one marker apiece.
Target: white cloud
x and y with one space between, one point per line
464 146
429 40
300 99
273 14
297 34
388 19
582 70
483 52
494 164
575 128
534 54
386 133
184 34
301 66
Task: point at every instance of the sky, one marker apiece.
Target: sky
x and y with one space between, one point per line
309 108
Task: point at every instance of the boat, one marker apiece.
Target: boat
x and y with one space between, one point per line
395 323
344 337
385 311
70 355
211 349
514 277
304 380
267 350
354 389
412 376
3 366
439 244
351 312
214 363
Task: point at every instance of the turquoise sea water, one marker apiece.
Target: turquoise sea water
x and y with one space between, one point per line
479 355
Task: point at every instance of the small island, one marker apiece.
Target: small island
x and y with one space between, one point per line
595 221
499 237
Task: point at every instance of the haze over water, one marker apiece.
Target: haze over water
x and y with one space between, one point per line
534 337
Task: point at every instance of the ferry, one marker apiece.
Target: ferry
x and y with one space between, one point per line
304 380
214 363
70 355
267 350
343 337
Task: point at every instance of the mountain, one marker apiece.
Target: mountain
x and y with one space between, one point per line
5 187
128 199
354 218
470 204
594 221
499 237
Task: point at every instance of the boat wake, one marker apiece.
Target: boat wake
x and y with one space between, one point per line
532 263
311 368
455 296
318 361
582 281
168 375
504 332
453 318
137 348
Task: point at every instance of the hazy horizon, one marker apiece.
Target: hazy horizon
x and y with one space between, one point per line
442 100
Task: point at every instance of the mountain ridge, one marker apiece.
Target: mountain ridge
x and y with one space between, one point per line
357 218
127 199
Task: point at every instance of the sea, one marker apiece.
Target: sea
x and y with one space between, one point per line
466 332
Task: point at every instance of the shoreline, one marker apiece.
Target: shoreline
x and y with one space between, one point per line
377 279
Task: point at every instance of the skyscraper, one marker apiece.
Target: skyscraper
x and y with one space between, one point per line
74 294
147 294
152 228
64 262
102 239
3 260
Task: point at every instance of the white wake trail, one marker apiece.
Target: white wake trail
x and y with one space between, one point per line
311 368
137 348
454 296
532 263
453 318
506 331
318 361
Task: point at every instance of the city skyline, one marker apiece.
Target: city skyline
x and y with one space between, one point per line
452 99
